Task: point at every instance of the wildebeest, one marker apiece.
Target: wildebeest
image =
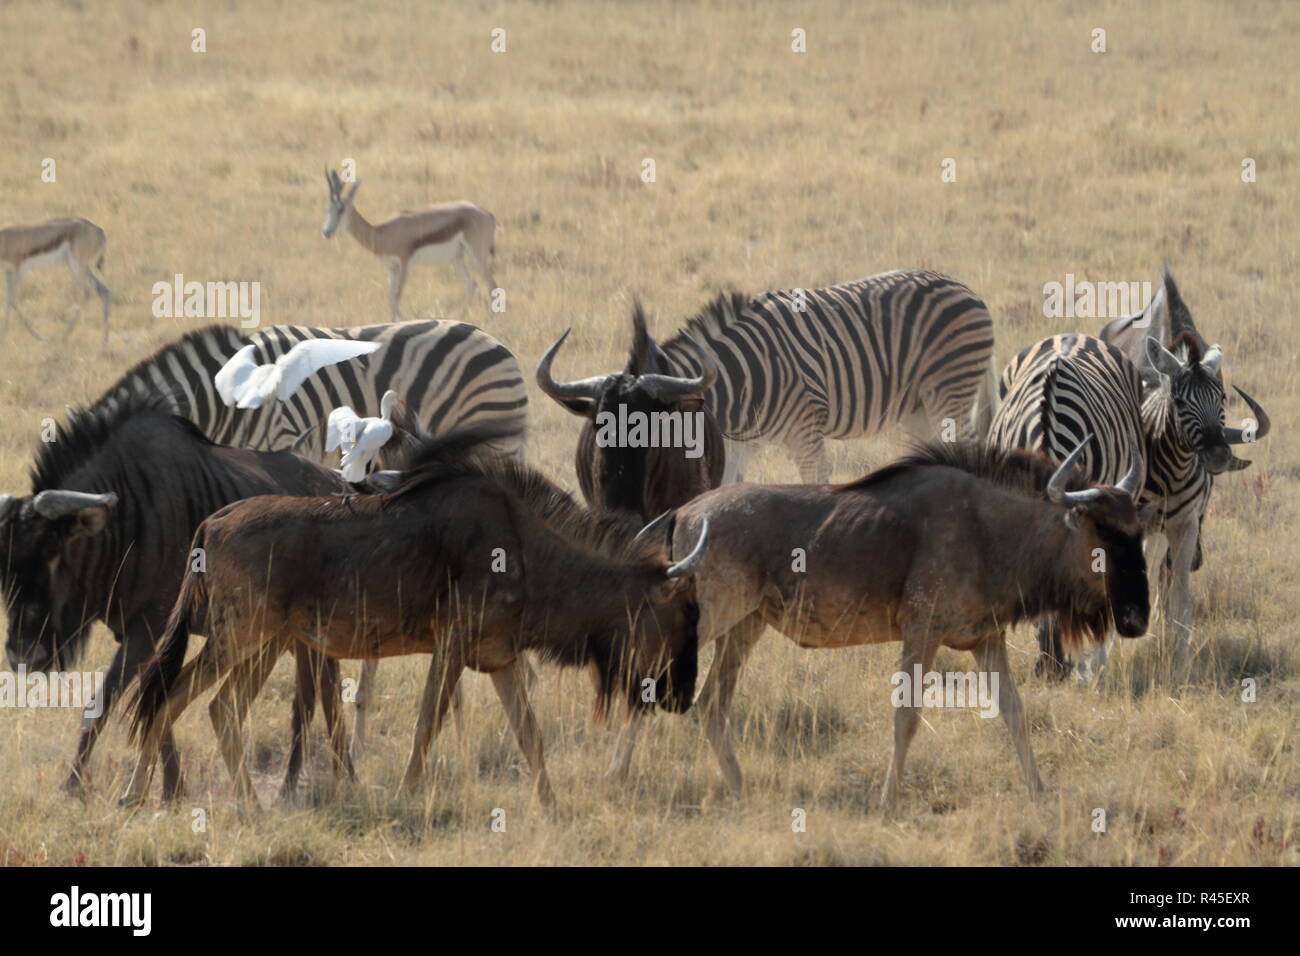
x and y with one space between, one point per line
1166 318
105 536
946 548
472 561
623 475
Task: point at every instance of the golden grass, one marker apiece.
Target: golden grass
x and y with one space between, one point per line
773 169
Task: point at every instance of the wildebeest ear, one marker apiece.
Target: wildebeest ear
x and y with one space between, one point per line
1072 516
1164 361
91 521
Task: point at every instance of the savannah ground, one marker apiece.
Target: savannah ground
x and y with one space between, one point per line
773 169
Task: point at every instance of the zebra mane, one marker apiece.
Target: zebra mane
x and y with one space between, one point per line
1015 469
712 321
89 430
468 453
226 333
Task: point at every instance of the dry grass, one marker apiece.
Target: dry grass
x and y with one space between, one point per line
774 169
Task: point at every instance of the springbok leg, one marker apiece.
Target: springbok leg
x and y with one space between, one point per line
715 698
991 658
512 687
439 687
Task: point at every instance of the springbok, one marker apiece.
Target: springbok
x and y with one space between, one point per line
77 243
448 232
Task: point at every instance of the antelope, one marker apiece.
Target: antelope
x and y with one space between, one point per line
74 242
449 232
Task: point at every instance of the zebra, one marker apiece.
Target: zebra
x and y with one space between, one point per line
450 374
798 366
1069 387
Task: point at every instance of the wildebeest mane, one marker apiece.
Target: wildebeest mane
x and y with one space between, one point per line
1015 469
89 430
466 453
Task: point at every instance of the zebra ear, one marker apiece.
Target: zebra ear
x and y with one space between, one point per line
1162 360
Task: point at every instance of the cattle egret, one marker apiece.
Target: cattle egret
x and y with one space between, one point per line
360 438
245 384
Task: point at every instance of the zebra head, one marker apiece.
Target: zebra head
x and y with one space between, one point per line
1196 391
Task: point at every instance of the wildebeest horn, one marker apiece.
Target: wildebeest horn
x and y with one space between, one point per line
385 481
670 388
1056 484
586 388
687 564
645 533
59 503
1213 359
1235 436
1129 481
7 503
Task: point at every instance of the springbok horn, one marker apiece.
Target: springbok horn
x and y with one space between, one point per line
1234 436
329 181
59 503
687 564
1129 482
299 440
652 527
586 388
1056 484
670 388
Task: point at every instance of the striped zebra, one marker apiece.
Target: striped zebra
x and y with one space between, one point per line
1059 390
450 375
800 366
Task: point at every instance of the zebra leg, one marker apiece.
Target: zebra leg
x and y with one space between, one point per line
1182 550
808 449
739 455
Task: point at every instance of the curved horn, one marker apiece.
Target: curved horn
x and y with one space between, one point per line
7 503
1234 436
560 391
1129 482
1056 484
1213 359
384 481
58 503
645 533
688 564
671 388
299 440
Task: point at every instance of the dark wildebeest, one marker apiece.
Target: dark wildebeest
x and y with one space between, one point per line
471 561
619 475
946 548
105 536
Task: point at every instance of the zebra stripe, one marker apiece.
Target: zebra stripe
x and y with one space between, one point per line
1066 388
449 373
909 347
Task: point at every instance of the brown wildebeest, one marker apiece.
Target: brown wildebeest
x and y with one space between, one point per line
945 548
472 561
687 457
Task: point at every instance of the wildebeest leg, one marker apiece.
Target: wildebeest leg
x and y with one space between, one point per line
1051 663
304 708
991 658
715 698
194 678
439 687
512 688
365 693
919 647
230 706
336 724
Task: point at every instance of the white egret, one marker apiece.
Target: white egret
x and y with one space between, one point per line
245 384
360 438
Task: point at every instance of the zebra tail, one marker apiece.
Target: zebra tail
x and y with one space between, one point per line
986 401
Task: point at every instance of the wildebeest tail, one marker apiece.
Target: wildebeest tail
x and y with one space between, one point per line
160 674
